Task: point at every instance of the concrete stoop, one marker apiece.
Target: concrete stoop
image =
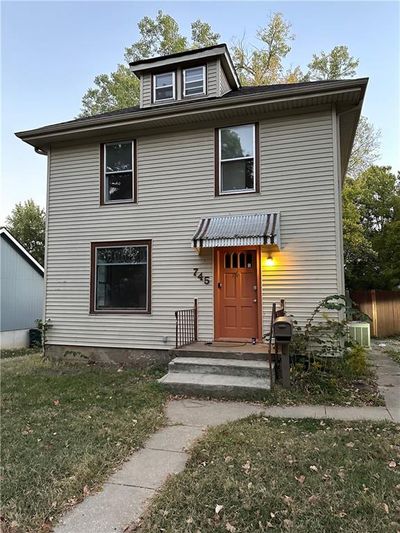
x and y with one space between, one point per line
217 377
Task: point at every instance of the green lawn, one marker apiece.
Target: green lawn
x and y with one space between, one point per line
64 427
305 476
18 352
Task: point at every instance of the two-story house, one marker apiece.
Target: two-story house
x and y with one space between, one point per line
206 190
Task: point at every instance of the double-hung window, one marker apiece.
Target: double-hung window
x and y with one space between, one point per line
164 86
237 159
194 81
117 172
120 276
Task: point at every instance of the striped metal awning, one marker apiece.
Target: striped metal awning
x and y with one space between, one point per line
238 230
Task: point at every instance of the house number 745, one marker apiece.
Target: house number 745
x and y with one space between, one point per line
204 279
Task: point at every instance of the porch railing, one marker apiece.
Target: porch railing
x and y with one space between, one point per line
272 346
186 326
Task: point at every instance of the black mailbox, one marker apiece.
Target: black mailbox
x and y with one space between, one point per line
283 329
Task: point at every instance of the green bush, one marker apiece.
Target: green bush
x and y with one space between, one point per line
355 361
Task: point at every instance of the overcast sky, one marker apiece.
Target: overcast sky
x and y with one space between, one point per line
51 51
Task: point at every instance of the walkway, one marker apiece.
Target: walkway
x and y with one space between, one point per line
126 493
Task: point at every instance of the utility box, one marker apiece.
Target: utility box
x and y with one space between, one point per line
283 329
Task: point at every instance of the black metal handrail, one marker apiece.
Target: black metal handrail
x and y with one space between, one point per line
186 326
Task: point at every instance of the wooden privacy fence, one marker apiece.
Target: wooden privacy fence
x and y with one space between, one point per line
383 308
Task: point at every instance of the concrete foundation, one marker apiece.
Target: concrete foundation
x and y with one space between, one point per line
129 357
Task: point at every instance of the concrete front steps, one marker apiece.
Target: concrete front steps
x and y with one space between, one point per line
217 376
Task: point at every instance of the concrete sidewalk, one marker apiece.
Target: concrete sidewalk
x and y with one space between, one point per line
127 492
388 372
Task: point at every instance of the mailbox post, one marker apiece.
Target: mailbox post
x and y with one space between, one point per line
283 332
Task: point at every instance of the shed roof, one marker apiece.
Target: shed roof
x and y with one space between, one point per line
12 241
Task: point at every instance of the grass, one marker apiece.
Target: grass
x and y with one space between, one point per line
18 352
394 353
305 476
64 427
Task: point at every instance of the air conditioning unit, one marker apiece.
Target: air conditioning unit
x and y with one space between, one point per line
360 332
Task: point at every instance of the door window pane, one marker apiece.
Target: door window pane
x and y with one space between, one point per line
234 260
241 260
121 277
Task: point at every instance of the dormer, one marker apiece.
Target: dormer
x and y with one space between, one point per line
196 74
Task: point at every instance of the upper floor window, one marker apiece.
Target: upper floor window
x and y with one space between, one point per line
237 159
194 81
117 179
120 276
164 86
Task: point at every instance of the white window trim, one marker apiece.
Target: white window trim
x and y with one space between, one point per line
122 309
105 188
253 157
173 87
184 82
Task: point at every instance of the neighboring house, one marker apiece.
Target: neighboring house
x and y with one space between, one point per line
207 190
22 292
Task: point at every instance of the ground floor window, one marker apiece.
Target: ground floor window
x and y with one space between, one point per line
120 276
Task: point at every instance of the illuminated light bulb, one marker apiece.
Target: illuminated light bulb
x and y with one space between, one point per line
269 262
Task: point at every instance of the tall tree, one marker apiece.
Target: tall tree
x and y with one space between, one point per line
371 220
27 224
263 64
158 36
365 150
334 65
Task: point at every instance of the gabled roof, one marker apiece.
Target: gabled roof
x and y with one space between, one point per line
198 54
12 241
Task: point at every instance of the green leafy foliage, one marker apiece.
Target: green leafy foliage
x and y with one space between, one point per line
334 65
371 215
158 36
27 223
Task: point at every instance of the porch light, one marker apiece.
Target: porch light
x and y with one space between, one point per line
269 261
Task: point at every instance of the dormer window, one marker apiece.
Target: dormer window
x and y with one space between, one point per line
164 86
194 81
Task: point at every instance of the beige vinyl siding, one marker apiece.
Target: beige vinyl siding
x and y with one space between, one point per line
175 189
224 86
145 85
212 78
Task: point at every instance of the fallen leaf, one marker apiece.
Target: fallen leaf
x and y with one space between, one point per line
386 508
246 467
229 527
300 479
287 499
314 468
189 520
218 508
86 490
350 444
56 402
228 459
392 464
313 499
287 524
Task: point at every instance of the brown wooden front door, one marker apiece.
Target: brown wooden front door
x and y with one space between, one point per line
236 294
